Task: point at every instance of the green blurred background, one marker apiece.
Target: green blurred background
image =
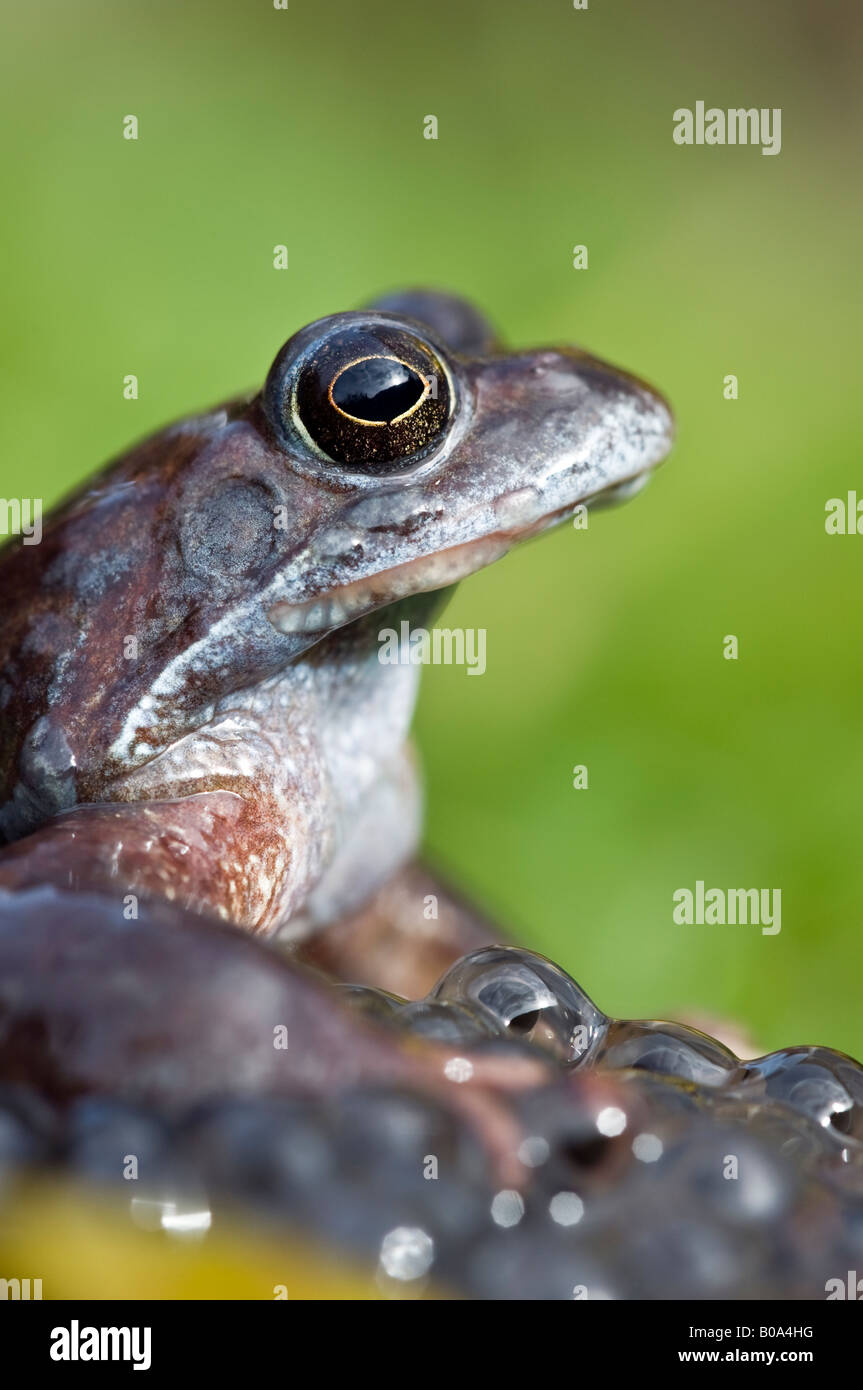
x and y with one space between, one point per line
305 127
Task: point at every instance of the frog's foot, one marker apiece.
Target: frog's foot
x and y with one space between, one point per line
403 938
169 1009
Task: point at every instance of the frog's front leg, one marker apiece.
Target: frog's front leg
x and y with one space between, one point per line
216 853
259 854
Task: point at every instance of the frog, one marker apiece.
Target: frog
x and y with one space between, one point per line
195 715
194 708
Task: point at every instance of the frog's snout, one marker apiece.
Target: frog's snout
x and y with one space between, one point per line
570 426
642 417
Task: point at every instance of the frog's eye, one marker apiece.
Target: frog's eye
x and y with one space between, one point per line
373 397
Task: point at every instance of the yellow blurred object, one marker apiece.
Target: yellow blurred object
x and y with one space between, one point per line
84 1245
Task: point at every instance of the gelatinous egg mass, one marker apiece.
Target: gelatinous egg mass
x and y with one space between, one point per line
654 1162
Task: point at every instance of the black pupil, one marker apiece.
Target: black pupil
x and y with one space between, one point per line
378 390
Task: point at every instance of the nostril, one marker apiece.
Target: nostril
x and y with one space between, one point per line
543 362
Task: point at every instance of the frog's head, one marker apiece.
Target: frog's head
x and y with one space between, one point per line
443 450
391 452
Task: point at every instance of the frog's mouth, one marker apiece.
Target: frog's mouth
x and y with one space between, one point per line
439 570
